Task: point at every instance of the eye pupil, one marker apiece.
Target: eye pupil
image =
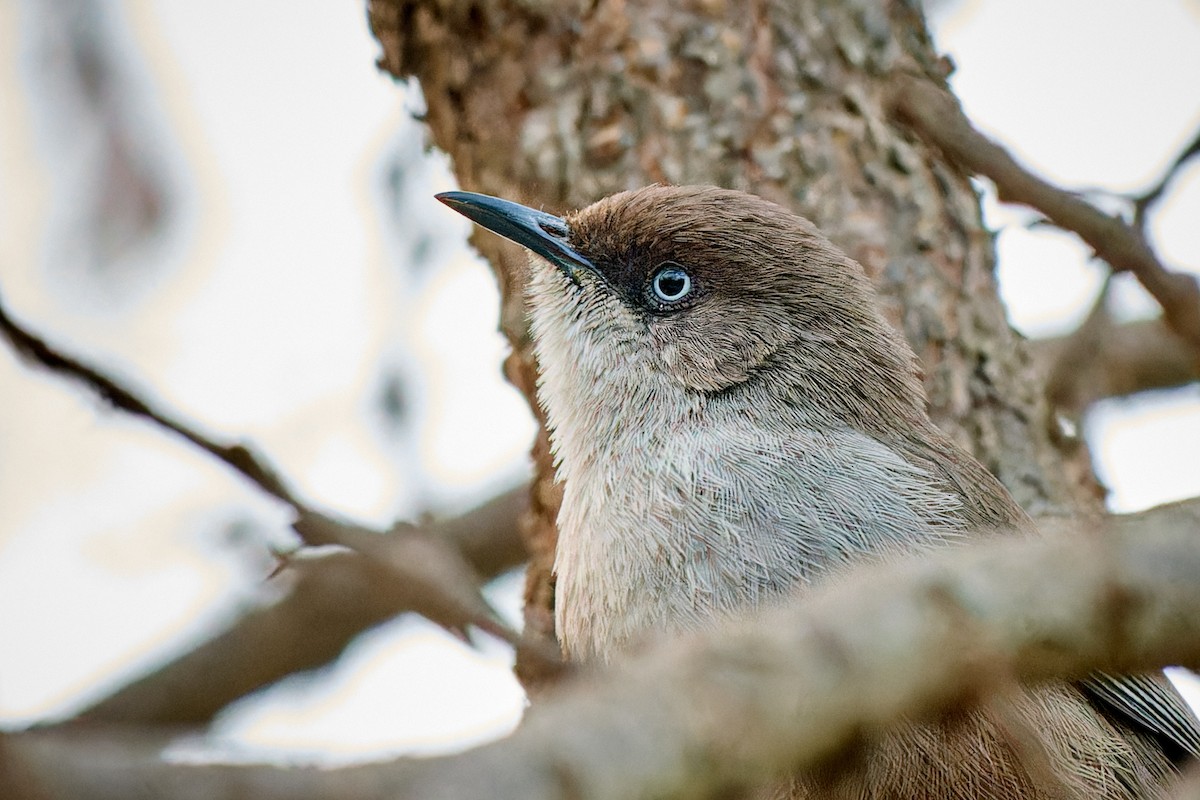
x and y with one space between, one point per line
672 284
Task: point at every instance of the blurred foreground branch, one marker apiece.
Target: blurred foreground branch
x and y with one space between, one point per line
795 687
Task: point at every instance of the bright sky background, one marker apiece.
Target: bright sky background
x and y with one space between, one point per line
269 308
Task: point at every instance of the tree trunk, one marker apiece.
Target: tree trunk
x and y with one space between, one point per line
558 104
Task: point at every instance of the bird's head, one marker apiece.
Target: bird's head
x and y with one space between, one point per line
710 290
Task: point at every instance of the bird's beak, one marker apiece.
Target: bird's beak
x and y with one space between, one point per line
544 234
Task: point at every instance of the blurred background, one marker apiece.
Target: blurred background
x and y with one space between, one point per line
226 205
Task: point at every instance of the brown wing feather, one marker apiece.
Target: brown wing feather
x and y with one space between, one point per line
1149 702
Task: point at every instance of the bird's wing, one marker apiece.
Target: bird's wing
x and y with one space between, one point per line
1149 702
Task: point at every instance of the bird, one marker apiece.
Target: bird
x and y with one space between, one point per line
732 419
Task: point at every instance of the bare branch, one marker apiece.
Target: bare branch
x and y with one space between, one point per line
331 600
936 116
792 688
1146 200
35 350
435 578
1122 359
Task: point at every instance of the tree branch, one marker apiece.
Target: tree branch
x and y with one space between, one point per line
793 688
1114 360
331 600
433 576
936 116
1143 202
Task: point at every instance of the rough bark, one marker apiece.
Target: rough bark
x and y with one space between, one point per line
559 104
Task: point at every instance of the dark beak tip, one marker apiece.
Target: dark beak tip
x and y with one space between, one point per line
451 199
544 234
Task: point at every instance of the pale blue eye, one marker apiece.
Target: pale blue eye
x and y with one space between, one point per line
672 284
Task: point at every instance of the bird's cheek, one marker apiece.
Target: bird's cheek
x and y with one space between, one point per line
709 351
669 353
702 365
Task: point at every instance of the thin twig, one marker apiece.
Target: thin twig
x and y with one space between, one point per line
35 350
1143 202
